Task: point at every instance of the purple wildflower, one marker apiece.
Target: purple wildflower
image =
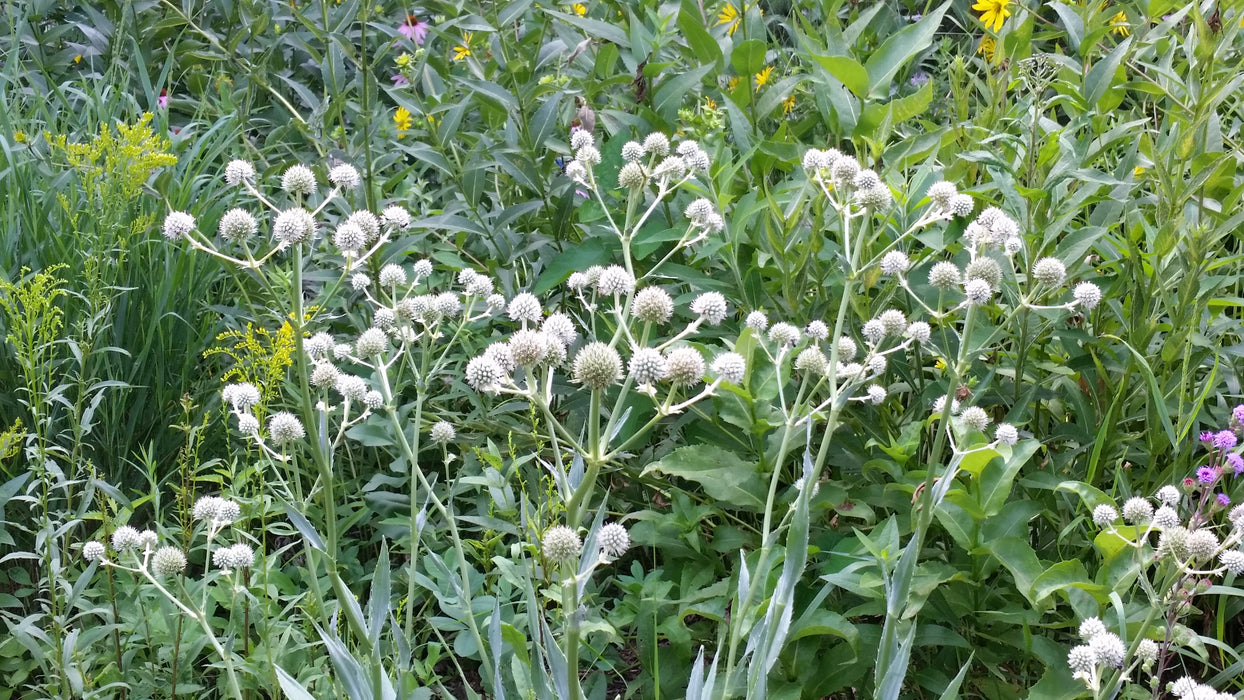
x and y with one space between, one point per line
400 80
1236 462
1225 439
1237 414
1206 475
1207 436
414 29
1224 500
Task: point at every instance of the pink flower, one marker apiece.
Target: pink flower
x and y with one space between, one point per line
400 80
414 29
162 100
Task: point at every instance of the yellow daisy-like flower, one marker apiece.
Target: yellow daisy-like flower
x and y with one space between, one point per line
402 120
464 49
732 83
1119 24
729 15
763 76
788 104
993 12
710 104
987 47
1138 171
579 9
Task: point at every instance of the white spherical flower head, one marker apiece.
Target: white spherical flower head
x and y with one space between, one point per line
984 268
525 307
1202 544
237 172
576 172
1168 495
392 275
351 387
1104 515
559 326
876 394
919 331
502 355
178 225
561 544
961 205
671 167
757 321
653 305
1183 687
894 321
360 281
495 303
248 424
147 540
373 400
241 396
632 151
1109 649
237 225
615 281
395 217
730 366
648 366
529 347
811 361
581 138
318 346
341 351
298 181
92 551
878 197
978 291
1049 271
422 269
657 144
866 179
125 538
167 562
366 221
876 364
1081 659
349 238
1166 517
945 275
345 176
1087 295
1006 434
484 375
447 304
1137 511
873 331
384 318
323 375
1012 245
783 334
699 210
293 226
284 428
844 170
817 330
596 366
1147 651
895 262
941 194
698 160
685 366
588 156
371 342
613 539
710 306
846 349
632 176
442 432
814 159
480 286
1236 517
239 556
974 417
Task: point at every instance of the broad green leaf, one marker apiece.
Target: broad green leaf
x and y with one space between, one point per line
1018 558
1101 75
998 476
748 58
899 48
674 89
592 251
848 71
1063 575
721 473
593 27
702 44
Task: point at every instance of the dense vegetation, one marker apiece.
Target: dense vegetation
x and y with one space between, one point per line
789 349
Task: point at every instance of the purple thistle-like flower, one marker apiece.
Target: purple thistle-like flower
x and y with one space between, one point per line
414 29
1224 500
1225 439
1236 462
1237 414
1206 475
1207 436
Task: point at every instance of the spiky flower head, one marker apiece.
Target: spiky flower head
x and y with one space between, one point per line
1202 544
984 268
1147 651
351 387
671 168
447 304
685 366
371 342
360 281
878 197
632 151
177 225
895 262
945 275
876 364
367 222
730 366
653 305
978 291
815 160
1137 510
345 176
844 170
710 306
613 539
846 349
561 544
783 334
484 375
293 225
757 321
237 225
93 550
392 275
811 361
442 432
559 326
876 394
147 540
1109 649
242 396
349 238
894 321
975 417
239 171
581 138
1087 295
284 428
125 538
238 556
524 307
615 281
588 155
1166 517
1168 495
648 366
248 424
873 331
529 347
373 400
298 181
657 144
1104 515
918 331
941 194
502 355
395 217
632 176
1081 659
168 561
596 366
817 330
1049 271
961 205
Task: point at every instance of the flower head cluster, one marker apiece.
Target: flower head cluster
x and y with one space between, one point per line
1101 649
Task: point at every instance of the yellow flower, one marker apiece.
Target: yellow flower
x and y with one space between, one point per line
77 59
763 76
19 136
403 61
578 8
1138 171
732 83
987 47
993 12
1119 24
729 15
402 120
788 104
463 50
710 104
